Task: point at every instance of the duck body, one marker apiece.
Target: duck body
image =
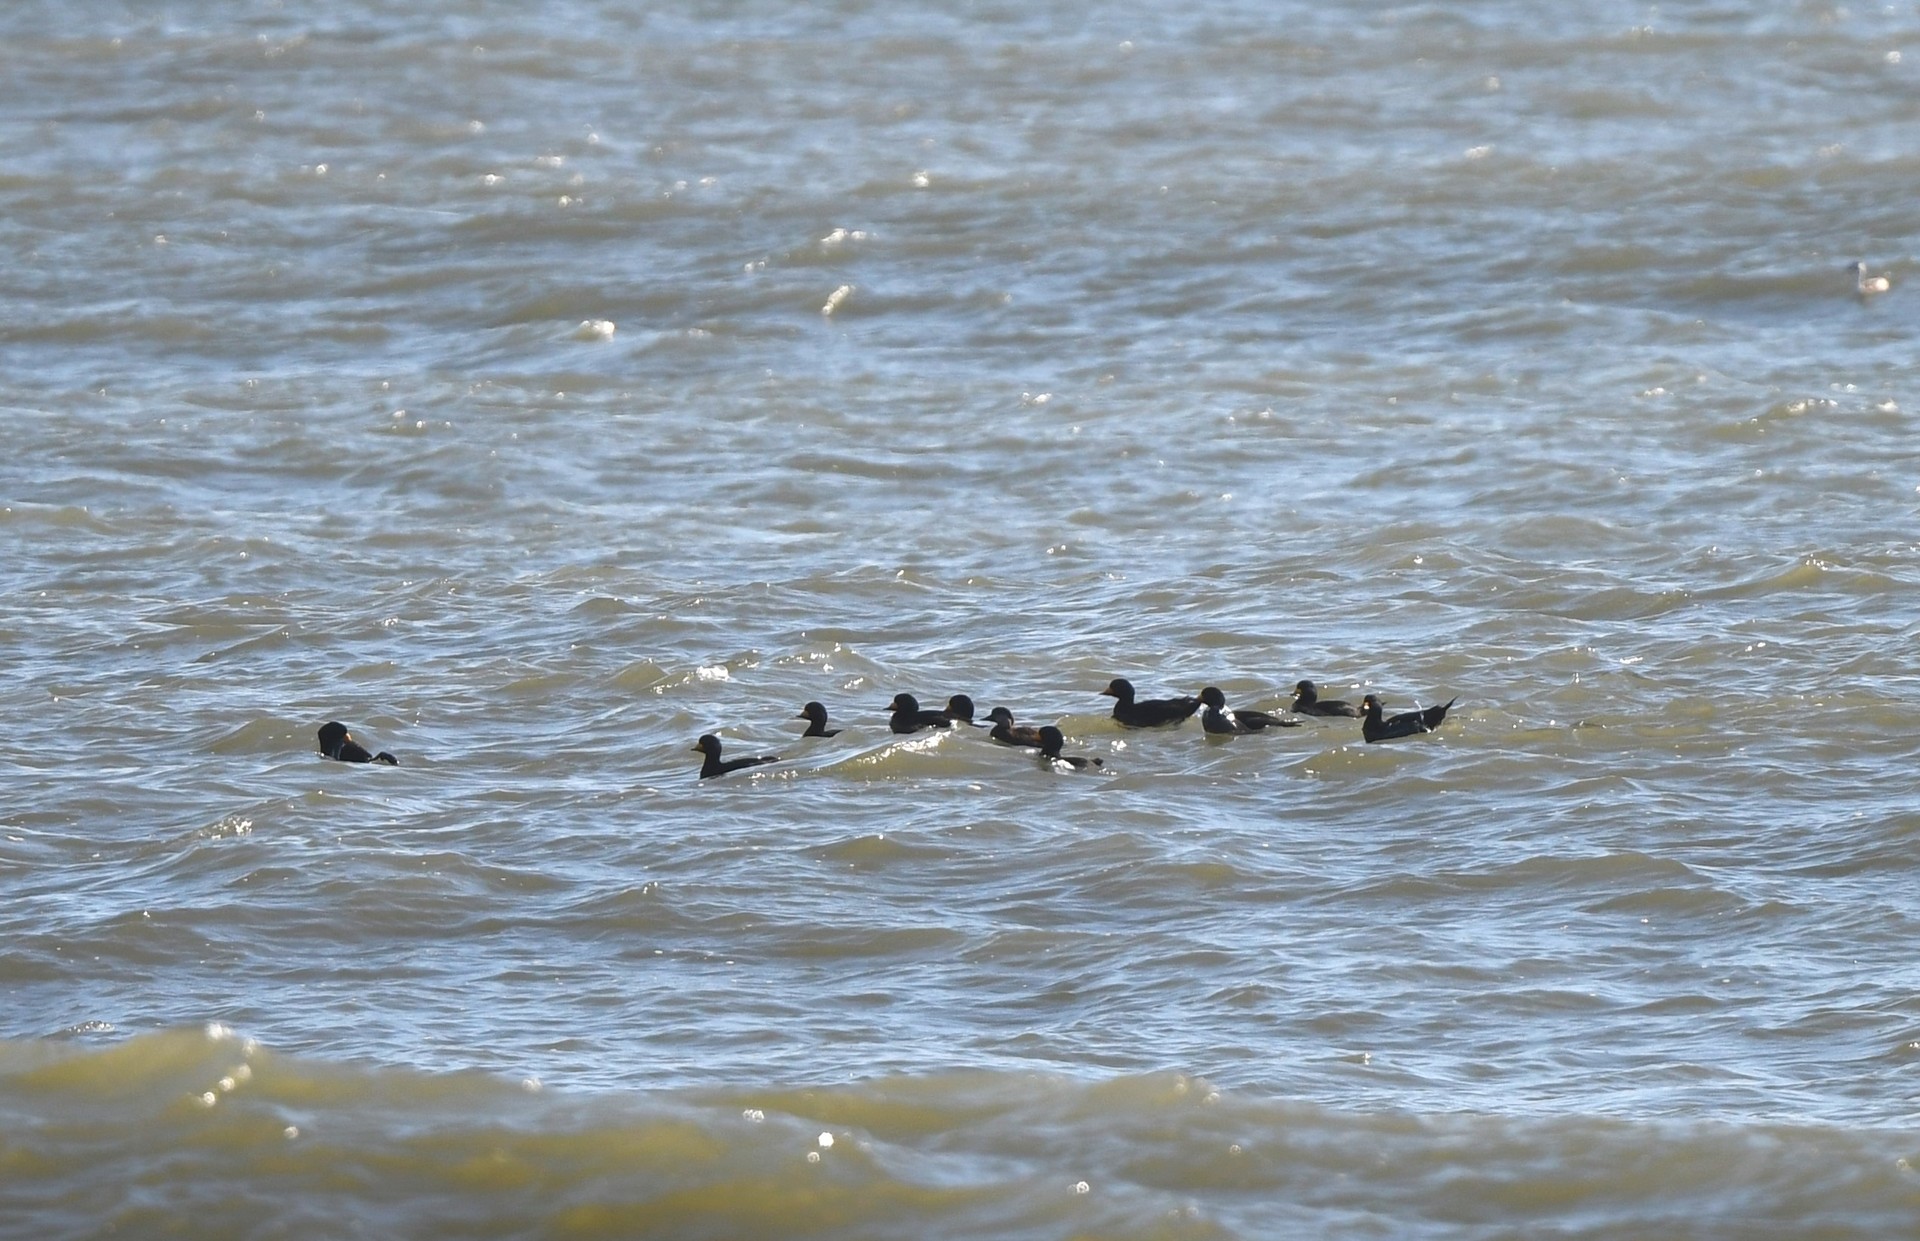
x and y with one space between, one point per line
816 716
714 765
909 718
1406 724
1130 712
1307 701
1006 732
1219 721
1050 742
338 744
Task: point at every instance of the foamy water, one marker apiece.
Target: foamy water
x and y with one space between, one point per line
538 390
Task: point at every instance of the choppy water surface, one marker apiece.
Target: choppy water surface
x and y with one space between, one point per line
1425 351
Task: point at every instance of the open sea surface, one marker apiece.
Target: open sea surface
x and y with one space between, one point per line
538 387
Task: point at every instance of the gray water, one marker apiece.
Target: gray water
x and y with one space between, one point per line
536 388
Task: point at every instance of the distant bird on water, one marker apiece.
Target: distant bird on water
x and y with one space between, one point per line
1865 285
1050 742
337 743
1006 732
816 716
709 745
1146 712
1221 722
909 718
1406 724
1307 701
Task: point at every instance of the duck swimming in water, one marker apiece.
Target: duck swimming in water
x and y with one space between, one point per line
1307 701
909 718
1865 285
1147 712
1221 722
1050 742
337 743
960 709
1006 732
816 716
709 745
1406 724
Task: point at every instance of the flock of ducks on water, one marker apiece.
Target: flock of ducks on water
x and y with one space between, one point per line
1128 711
